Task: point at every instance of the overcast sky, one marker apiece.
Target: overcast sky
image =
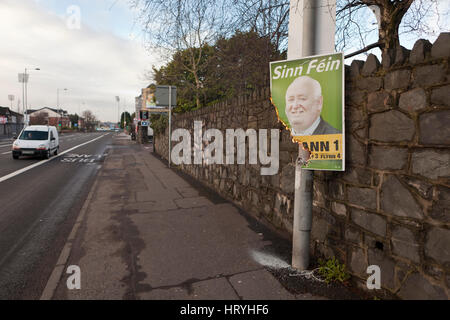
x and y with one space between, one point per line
103 59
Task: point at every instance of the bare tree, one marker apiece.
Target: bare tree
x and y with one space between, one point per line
269 18
356 26
184 25
394 18
40 118
90 120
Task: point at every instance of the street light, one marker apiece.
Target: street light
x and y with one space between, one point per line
118 110
57 97
57 104
11 98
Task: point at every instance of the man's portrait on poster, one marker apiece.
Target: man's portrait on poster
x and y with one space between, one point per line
304 102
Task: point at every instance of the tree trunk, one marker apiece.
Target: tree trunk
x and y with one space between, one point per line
391 15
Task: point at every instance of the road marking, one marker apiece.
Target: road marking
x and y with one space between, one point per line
6 145
16 173
6 152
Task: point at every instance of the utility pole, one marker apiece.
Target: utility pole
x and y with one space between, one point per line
311 31
57 106
170 123
11 99
118 110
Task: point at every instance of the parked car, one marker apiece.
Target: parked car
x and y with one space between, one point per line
40 141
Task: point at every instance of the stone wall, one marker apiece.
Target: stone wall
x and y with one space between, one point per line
391 207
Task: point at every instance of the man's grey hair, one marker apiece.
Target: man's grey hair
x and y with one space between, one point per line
315 84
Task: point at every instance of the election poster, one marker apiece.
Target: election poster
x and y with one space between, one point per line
308 95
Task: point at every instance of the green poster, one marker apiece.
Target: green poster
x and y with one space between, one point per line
308 95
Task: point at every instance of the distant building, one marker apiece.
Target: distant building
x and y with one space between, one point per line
11 122
49 116
9 116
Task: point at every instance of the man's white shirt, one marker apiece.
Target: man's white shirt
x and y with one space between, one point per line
307 132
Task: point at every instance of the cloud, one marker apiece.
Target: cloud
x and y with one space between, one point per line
94 65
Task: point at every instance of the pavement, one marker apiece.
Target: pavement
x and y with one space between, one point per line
147 232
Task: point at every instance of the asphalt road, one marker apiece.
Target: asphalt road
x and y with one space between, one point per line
39 206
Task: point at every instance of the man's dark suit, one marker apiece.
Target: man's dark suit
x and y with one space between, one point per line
325 128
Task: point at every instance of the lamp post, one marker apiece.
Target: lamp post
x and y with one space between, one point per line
57 96
118 110
11 98
57 103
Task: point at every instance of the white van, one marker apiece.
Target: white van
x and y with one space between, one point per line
36 141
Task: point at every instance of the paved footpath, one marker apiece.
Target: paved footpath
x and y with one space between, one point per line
146 233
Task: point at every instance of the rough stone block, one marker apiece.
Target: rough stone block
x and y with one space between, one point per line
437 245
339 209
358 175
441 47
423 188
358 263
364 197
388 158
404 244
370 221
370 84
420 51
336 190
319 195
398 200
354 97
288 178
441 96
413 100
429 75
431 164
370 66
355 68
387 59
391 126
441 207
320 229
352 235
435 128
417 287
355 151
398 79
378 101
401 55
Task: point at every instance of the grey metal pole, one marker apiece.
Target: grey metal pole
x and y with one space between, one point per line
26 96
303 178
23 100
170 123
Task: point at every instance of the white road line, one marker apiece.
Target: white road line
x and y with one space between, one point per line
16 173
6 145
6 152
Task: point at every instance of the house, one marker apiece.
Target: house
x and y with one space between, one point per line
49 116
10 122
